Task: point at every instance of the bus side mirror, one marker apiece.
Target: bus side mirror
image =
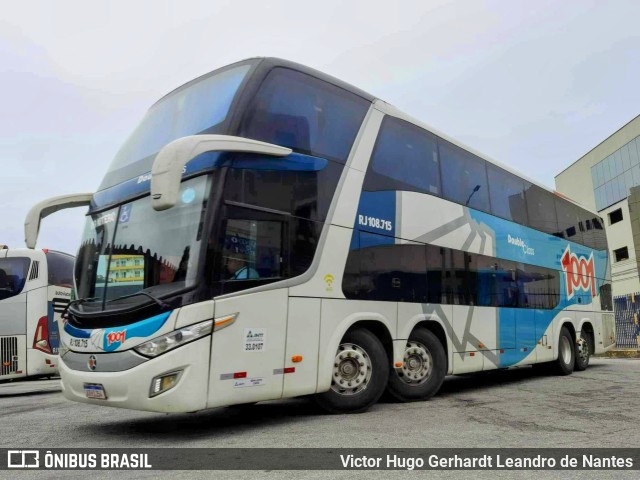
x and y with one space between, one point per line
167 169
47 207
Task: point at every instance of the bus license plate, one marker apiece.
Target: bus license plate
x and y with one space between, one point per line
95 390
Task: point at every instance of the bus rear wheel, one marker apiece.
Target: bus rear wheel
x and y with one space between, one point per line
423 368
360 371
566 353
583 352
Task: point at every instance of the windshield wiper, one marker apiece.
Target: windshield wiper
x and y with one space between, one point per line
79 301
162 304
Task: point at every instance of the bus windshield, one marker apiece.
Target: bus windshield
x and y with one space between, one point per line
133 248
13 274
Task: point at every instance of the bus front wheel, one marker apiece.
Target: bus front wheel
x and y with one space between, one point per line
423 368
359 376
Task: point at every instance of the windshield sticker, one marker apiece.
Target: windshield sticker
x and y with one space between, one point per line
248 382
255 340
125 213
189 195
104 219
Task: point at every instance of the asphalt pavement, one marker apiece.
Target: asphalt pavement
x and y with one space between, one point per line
511 408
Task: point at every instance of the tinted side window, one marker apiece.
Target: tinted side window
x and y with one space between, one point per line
404 158
464 177
253 249
306 114
60 269
305 194
507 195
13 274
492 281
538 287
569 221
390 272
541 210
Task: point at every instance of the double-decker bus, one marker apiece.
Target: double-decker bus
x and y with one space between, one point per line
35 288
269 231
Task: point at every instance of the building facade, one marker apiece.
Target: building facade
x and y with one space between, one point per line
607 179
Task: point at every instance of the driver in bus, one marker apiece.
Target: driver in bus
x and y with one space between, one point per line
238 267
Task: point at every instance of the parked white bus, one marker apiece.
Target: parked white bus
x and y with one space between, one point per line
269 231
35 287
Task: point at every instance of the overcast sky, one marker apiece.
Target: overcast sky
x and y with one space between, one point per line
534 84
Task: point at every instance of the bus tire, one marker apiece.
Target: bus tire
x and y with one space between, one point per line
565 362
359 376
423 371
582 352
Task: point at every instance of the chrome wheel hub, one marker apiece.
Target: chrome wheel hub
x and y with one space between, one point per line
351 370
583 350
417 365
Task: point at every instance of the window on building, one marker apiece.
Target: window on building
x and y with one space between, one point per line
615 216
621 254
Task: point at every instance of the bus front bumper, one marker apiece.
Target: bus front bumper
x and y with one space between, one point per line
132 388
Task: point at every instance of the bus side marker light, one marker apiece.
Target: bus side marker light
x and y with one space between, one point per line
220 323
481 345
296 358
240 375
472 354
398 364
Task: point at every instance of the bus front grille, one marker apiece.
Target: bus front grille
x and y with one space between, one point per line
8 355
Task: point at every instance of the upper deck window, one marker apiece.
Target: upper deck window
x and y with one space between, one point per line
464 177
311 116
405 158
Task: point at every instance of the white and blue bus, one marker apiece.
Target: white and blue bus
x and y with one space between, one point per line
35 288
269 232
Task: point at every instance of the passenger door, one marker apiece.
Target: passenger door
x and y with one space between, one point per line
248 356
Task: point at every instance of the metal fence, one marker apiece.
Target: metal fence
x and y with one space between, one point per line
627 311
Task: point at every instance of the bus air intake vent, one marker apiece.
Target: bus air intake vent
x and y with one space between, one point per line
8 355
35 267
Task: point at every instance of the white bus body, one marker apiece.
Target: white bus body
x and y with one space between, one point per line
358 272
35 287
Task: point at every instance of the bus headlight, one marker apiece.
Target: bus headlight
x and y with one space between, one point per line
175 339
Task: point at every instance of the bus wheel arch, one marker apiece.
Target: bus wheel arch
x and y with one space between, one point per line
360 369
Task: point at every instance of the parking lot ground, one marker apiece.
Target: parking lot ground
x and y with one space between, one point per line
509 408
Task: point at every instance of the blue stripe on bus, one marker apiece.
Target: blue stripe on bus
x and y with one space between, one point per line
207 161
540 248
143 328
